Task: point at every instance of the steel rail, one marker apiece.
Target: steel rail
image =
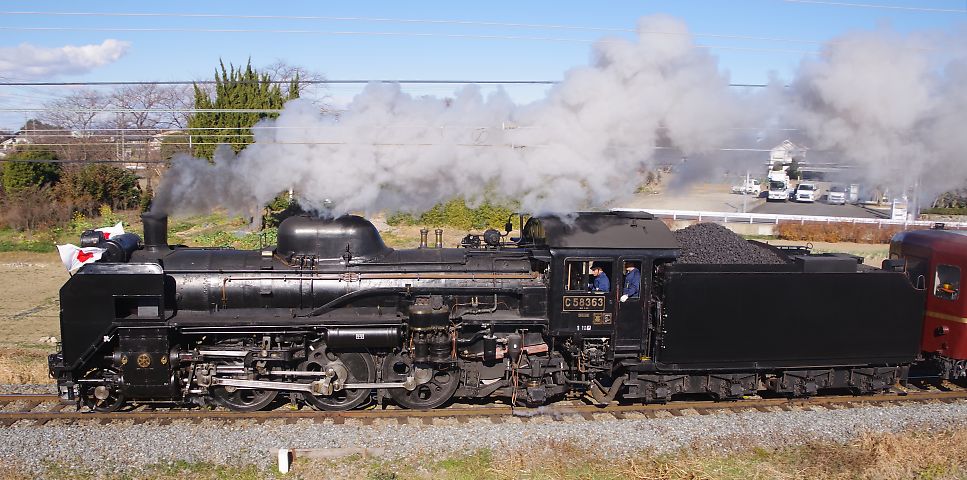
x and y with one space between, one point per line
496 414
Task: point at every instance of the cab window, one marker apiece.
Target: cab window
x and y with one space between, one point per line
947 282
577 274
631 278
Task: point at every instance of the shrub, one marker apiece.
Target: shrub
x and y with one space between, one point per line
26 173
32 208
456 213
944 211
837 232
100 184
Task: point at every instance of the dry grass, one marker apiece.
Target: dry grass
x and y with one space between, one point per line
870 456
927 456
22 365
836 232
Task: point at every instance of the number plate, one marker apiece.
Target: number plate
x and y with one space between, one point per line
584 303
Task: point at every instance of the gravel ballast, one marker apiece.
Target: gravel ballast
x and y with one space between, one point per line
710 243
125 447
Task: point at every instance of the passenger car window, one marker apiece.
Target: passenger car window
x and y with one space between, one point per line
947 282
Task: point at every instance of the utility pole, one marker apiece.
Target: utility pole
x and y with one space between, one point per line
745 193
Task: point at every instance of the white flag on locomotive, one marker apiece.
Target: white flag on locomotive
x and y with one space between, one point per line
111 231
74 257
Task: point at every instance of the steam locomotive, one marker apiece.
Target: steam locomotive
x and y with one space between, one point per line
334 318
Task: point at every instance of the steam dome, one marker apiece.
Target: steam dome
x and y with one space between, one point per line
330 238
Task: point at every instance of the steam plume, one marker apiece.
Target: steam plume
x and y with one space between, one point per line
891 104
894 105
581 146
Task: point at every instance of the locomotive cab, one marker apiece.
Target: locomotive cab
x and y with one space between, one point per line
936 260
608 240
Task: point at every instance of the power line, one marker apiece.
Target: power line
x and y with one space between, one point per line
142 110
880 6
349 82
136 162
381 34
538 26
313 82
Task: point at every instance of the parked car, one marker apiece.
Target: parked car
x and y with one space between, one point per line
806 192
836 195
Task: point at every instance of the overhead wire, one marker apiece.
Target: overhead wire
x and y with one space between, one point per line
373 33
536 26
879 6
513 146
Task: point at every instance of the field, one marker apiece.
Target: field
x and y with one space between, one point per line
29 323
907 455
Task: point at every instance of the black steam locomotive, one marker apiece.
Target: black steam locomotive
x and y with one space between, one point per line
334 318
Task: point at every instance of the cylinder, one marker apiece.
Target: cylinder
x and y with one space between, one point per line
439 237
155 230
354 337
424 233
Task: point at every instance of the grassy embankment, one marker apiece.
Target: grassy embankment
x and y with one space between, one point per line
911 455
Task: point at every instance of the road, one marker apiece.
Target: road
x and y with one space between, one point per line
818 209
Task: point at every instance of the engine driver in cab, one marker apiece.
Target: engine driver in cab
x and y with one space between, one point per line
601 283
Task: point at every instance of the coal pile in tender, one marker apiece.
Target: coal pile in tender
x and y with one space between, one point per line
713 243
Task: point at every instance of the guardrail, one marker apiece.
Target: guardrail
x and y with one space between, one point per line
775 219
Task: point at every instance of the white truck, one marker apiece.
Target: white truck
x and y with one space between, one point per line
749 187
778 186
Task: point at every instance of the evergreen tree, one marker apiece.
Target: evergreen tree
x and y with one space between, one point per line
28 172
235 89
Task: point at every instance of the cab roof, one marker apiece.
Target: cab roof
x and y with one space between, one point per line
611 230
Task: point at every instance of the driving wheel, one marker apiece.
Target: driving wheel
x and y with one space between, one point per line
359 366
431 394
242 399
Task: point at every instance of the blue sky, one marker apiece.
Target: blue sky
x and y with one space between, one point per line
786 32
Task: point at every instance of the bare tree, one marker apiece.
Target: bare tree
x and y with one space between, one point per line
282 71
78 112
149 110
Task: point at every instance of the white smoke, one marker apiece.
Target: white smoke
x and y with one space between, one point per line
582 146
891 104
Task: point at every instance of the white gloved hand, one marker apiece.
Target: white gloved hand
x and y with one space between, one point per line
624 298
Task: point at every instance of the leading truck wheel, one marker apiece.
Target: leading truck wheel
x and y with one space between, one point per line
431 394
360 368
103 395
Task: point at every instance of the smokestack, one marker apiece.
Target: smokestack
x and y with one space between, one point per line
155 231
439 237
423 234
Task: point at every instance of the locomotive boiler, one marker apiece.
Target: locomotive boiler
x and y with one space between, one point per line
334 318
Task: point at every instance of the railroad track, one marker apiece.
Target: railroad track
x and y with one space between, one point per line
42 409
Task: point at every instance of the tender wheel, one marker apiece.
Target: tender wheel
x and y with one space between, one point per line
103 397
361 368
242 400
432 394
